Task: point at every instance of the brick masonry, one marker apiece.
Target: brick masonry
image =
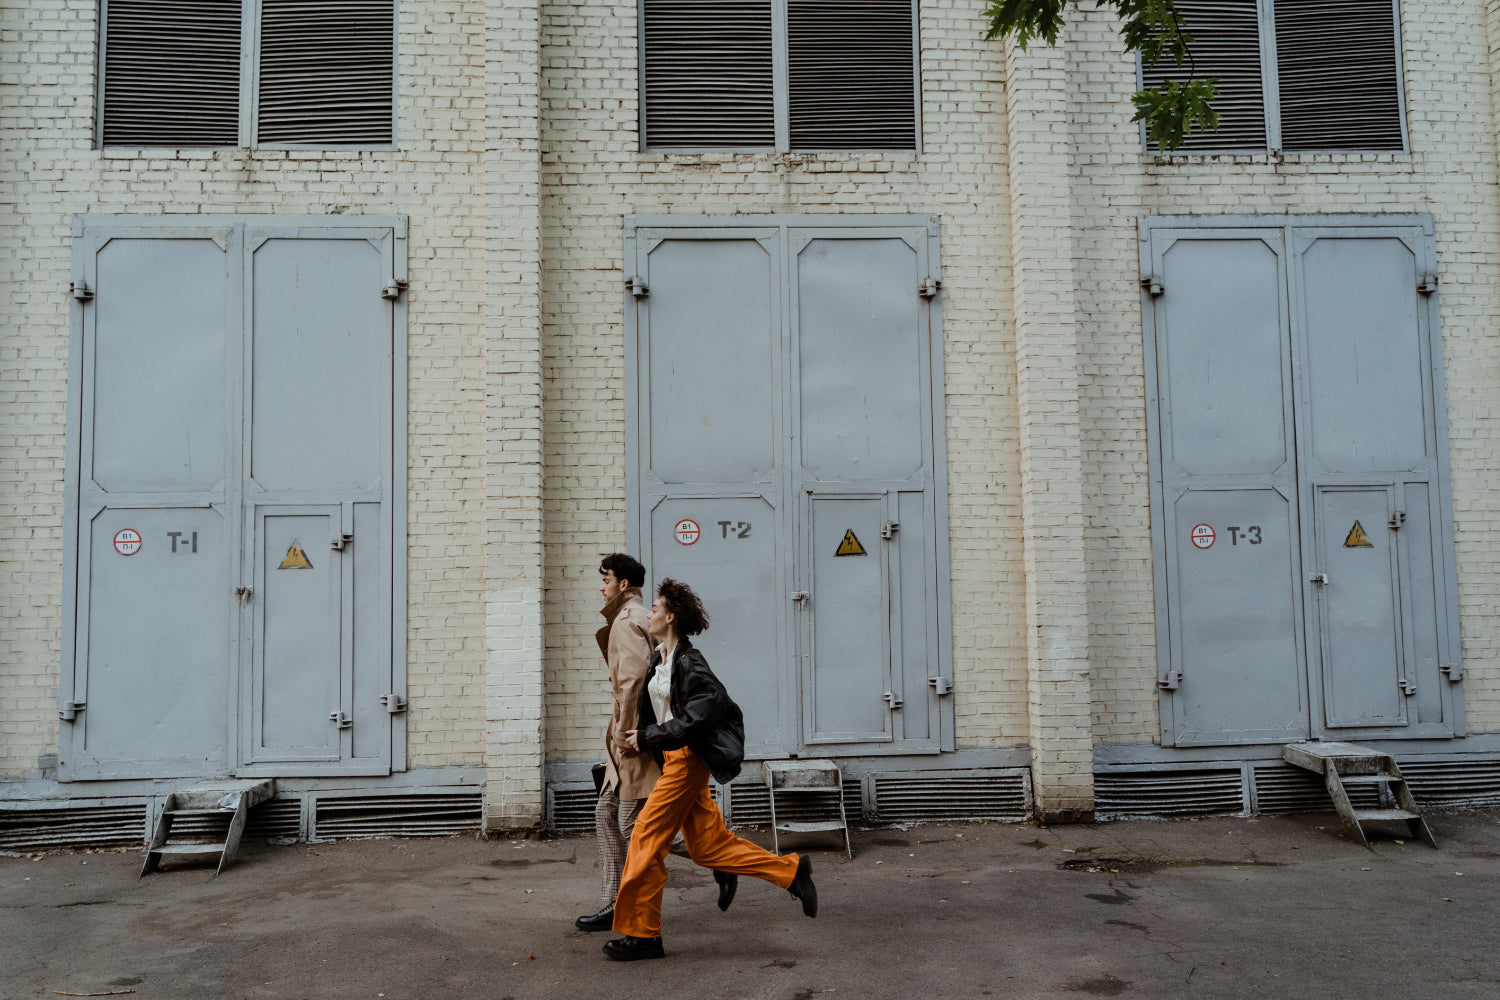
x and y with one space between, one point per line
518 158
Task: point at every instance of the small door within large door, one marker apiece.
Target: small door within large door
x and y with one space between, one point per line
233 394
1305 580
781 399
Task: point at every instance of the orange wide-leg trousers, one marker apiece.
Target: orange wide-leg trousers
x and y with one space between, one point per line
680 801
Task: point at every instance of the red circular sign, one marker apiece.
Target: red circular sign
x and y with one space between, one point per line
686 531
127 541
1203 536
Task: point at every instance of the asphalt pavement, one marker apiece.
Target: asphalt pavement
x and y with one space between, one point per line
1267 907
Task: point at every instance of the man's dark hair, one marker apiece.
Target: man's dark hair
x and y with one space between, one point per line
624 568
688 616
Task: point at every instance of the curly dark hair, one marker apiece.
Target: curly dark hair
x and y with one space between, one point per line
688 616
624 567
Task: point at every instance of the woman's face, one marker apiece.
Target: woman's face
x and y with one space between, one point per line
659 621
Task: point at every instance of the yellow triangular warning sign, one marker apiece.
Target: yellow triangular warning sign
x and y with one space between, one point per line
850 545
1357 538
295 558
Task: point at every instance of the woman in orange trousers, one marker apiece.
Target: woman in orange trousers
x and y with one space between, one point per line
701 732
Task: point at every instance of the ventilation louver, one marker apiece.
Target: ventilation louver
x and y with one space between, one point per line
326 68
1168 793
171 73
397 816
851 81
80 826
707 74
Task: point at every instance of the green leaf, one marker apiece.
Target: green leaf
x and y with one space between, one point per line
1174 110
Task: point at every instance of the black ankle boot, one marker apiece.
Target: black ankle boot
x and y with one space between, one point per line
630 949
604 920
728 883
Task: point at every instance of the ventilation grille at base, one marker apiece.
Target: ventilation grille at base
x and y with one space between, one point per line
1001 797
571 809
1282 788
1168 793
750 804
280 819
82 826
1454 783
397 816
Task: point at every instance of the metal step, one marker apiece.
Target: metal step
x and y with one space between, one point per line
1365 815
1348 764
805 826
189 849
232 800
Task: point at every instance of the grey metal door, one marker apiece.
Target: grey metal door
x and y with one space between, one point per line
1294 388
1372 454
182 657
781 395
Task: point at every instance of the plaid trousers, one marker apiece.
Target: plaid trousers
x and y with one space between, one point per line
614 819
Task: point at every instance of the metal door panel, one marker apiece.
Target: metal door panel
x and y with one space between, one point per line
158 366
154 649
1234 619
1416 556
1366 362
913 621
1361 616
861 361
1228 615
320 363
713 351
733 564
1222 353
298 660
367 607
849 650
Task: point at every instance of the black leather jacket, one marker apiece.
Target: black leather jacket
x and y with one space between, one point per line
704 718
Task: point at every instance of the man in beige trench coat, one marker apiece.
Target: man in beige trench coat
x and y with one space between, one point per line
628 776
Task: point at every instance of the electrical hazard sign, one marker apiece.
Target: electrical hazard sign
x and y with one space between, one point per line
850 545
1357 539
295 558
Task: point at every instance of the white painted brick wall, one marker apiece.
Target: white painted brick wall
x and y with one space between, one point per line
49 171
594 174
1450 173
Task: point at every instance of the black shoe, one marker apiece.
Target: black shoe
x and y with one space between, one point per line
802 886
728 883
602 921
629 949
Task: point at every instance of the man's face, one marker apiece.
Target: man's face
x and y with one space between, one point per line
611 586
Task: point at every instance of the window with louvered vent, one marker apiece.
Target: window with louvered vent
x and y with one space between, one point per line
799 75
1295 75
316 73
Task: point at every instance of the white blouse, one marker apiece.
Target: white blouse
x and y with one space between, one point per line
660 685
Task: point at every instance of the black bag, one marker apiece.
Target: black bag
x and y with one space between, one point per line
598 771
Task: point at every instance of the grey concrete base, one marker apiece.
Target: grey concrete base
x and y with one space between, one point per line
1229 908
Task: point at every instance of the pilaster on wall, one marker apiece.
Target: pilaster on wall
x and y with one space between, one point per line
1040 153
514 712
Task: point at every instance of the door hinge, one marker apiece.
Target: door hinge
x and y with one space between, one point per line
893 699
1428 284
1397 519
69 710
1408 687
799 596
81 291
1170 682
929 287
1152 284
941 685
1455 671
1317 578
244 593
341 719
888 529
393 703
637 287
394 290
